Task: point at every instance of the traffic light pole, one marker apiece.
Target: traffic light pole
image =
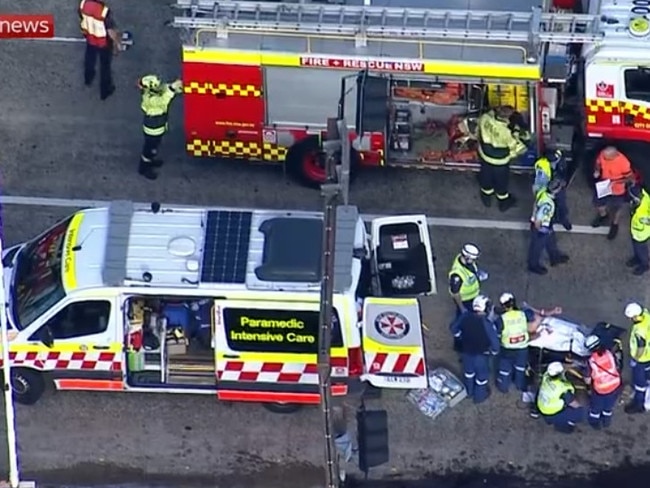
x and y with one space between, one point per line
335 148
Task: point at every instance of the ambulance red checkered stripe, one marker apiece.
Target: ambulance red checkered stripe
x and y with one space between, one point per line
101 361
396 363
274 372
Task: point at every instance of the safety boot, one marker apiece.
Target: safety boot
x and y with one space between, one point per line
640 270
598 220
559 259
486 200
147 170
632 262
507 204
613 232
633 407
107 93
567 225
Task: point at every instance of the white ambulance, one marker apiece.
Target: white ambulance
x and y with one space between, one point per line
216 301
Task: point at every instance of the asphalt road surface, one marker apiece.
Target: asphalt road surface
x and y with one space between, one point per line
58 140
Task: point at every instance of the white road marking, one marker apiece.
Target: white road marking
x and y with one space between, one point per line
58 39
432 221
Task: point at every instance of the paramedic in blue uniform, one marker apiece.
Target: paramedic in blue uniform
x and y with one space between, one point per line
515 328
542 235
556 400
465 278
478 342
547 168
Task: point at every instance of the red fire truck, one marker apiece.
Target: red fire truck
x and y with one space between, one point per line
262 78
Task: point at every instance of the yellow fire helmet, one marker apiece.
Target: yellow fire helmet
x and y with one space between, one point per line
150 82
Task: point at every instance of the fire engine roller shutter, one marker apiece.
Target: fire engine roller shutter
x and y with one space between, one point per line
306 96
372 102
224 110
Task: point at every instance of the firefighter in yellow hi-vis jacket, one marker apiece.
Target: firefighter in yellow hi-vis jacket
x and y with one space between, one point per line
498 146
156 97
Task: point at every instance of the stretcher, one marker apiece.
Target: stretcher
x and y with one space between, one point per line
560 340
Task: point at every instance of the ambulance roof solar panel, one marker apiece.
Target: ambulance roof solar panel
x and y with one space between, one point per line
227 239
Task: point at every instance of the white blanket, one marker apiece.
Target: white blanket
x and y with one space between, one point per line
561 336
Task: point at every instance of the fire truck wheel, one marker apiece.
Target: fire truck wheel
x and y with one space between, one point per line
283 408
304 162
28 386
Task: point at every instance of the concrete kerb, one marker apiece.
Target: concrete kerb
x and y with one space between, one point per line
431 221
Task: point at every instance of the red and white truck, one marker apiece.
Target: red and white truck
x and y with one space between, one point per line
262 78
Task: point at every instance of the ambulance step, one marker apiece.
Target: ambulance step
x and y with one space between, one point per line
191 379
392 22
207 358
190 368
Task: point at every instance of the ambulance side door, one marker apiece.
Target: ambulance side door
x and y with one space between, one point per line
80 335
403 267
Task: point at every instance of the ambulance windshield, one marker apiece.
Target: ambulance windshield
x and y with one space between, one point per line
38 284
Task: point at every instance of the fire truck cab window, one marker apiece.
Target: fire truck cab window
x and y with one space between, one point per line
79 319
637 84
281 331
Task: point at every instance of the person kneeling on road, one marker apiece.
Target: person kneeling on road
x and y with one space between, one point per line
478 340
515 328
605 380
542 235
556 400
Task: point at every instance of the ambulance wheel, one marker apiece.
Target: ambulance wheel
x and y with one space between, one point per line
28 386
304 162
283 408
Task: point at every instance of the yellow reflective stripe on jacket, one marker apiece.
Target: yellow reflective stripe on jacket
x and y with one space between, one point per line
470 287
641 330
549 398
640 221
91 25
515 330
545 202
155 107
497 144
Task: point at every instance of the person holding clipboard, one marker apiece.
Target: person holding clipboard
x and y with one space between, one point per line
613 172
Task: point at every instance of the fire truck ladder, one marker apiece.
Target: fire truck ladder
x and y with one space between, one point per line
386 22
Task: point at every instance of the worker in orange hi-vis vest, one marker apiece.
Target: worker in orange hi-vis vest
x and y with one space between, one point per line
605 380
102 41
614 170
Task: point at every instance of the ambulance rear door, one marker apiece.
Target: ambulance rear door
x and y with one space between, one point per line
403 266
393 345
403 258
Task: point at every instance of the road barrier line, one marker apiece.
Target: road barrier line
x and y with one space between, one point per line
508 225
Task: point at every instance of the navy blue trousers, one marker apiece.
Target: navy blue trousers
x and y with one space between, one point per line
539 242
601 408
640 378
476 374
640 250
512 364
565 421
561 209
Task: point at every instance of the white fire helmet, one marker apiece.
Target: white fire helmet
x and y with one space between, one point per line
470 251
592 342
555 369
633 310
506 298
480 303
